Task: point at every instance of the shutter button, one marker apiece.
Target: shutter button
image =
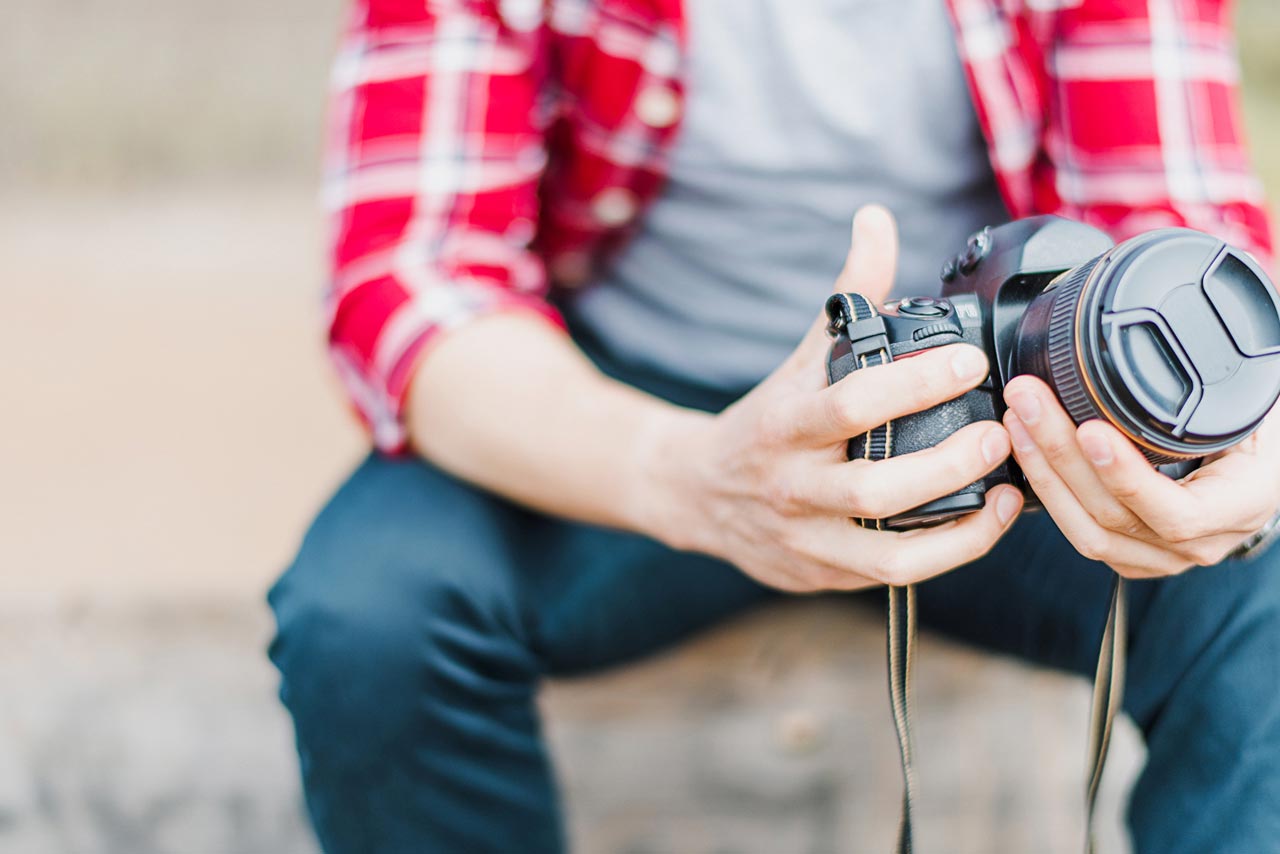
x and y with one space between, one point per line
922 307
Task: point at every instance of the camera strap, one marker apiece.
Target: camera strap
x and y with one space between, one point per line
856 318
1108 697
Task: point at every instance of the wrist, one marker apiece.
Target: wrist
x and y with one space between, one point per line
665 475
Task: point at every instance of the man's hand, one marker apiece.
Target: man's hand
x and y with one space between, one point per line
766 485
1115 507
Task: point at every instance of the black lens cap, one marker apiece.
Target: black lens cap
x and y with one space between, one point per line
1186 338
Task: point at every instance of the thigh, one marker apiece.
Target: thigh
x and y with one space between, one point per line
404 587
402 542
397 539
606 597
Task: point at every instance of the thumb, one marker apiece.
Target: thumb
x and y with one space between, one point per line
872 261
869 269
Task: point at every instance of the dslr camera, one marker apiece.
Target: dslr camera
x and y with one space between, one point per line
1172 337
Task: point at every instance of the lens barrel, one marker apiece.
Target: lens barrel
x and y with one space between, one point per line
1173 337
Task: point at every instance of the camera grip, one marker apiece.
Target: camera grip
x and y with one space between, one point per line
925 429
863 340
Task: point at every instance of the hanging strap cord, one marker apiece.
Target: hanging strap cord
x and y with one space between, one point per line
855 317
1108 697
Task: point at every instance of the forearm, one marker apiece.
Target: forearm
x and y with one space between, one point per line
510 404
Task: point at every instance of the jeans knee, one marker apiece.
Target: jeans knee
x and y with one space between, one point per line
384 623
357 674
346 669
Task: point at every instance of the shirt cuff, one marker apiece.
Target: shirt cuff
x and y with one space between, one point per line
378 385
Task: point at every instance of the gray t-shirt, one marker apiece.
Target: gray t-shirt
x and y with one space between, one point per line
797 113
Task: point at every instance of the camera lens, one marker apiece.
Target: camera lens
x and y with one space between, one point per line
1173 337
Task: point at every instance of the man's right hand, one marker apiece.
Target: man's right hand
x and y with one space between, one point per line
766 485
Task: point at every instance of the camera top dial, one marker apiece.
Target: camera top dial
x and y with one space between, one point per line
920 323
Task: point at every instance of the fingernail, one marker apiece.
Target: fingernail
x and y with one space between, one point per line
1097 449
1027 407
1007 505
1018 434
995 446
968 363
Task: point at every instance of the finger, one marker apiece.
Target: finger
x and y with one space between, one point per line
913 556
878 490
869 397
1203 506
1136 557
869 269
1054 433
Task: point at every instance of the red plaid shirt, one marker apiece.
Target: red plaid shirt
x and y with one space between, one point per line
484 151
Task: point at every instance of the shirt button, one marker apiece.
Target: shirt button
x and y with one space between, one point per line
521 15
570 269
614 207
658 106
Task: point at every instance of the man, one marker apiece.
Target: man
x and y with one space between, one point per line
585 479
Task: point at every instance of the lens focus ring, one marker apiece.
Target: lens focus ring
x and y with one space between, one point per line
1064 363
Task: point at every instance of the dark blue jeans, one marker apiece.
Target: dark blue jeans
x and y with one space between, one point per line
421 614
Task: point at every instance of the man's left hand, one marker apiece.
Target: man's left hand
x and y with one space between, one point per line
1115 507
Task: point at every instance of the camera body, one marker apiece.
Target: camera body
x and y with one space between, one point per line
1173 337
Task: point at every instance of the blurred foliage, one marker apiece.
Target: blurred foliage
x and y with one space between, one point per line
1258 28
108 93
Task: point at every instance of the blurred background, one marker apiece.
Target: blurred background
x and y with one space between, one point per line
171 425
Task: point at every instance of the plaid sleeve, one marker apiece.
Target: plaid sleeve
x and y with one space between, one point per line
1144 122
433 157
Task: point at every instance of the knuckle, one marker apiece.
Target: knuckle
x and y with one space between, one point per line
839 410
1092 545
1181 528
889 568
1056 448
957 468
1115 518
1126 490
1204 553
775 426
783 495
865 497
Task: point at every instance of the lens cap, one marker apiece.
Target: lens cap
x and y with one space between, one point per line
1186 340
